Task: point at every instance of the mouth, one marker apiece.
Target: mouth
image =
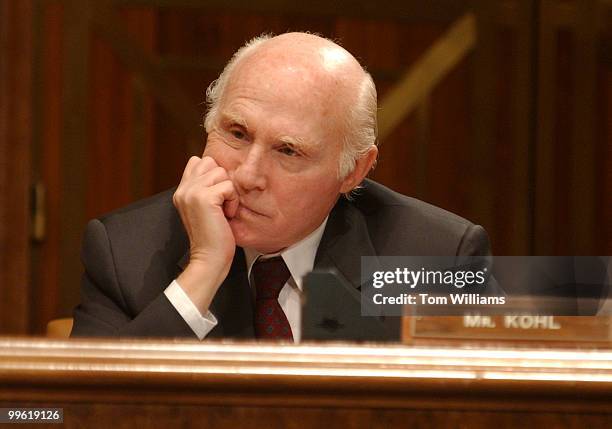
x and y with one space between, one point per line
249 211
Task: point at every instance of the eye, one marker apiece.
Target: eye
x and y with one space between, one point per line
237 133
288 150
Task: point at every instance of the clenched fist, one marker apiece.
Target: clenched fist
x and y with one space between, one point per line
206 199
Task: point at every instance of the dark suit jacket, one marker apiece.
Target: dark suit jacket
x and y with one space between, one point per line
131 255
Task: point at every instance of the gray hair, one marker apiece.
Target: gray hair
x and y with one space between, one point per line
216 89
360 124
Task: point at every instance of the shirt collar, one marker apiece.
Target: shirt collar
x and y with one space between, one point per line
299 257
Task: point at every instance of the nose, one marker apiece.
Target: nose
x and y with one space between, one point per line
250 174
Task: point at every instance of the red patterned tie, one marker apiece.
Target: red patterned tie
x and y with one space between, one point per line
270 275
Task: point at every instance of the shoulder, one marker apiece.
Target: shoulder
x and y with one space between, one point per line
144 225
145 222
144 213
375 200
135 248
141 233
399 224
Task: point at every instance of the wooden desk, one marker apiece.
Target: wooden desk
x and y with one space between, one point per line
116 384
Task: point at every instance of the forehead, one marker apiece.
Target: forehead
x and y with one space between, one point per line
280 81
290 98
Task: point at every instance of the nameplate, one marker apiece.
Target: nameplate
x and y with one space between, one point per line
510 327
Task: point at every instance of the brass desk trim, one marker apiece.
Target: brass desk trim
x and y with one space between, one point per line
322 375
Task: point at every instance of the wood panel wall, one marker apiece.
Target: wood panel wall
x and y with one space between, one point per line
15 139
517 137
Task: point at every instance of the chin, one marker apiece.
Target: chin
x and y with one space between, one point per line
246 236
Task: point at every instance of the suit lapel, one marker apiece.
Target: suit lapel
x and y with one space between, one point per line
345 240
336 313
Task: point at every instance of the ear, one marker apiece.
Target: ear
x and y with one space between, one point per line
363 165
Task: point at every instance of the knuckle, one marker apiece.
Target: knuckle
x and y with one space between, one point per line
191 198
219 171
193 160
209 160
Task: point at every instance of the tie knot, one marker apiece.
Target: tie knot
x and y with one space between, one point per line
269 275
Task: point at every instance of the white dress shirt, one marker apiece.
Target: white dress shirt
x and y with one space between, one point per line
299 259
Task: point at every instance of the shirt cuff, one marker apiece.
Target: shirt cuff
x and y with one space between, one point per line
200 324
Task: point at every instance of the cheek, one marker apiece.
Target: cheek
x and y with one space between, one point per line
223 155
311 197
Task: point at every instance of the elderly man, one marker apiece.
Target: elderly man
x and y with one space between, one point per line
291 128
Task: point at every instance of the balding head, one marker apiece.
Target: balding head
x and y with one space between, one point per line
310 53
323 72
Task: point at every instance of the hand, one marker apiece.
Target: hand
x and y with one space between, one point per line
206 199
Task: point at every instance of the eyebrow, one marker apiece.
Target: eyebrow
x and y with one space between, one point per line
295 142
234 119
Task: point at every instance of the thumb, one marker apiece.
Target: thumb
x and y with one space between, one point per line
230 207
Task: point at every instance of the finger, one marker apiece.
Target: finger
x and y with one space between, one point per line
191 163
201 183
227 197
230 207
212 177
204 166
